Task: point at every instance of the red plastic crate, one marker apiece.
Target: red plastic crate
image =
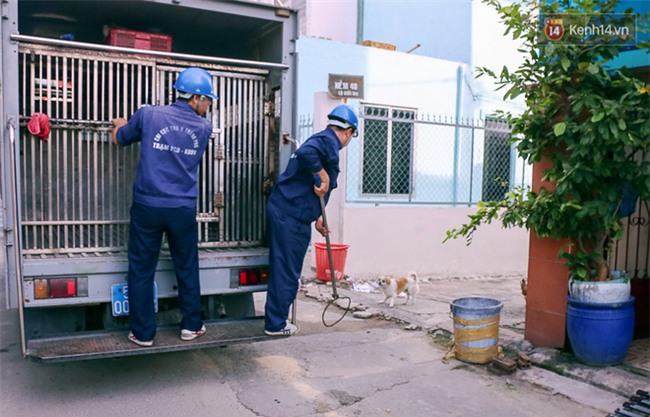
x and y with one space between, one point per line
139 40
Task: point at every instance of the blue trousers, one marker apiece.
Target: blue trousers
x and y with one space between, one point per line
145 238
289 239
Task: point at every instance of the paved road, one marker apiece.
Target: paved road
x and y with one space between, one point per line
360 367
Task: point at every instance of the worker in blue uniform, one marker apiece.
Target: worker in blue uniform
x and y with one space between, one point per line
294 204
172 140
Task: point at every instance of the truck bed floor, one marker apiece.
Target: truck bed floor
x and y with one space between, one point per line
106 344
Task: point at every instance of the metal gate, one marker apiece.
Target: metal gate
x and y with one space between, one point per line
631 253
76 186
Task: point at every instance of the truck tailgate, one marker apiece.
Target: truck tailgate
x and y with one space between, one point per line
104 344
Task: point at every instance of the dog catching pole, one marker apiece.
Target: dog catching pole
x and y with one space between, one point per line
340 301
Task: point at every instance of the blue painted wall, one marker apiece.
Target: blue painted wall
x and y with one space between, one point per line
634 57
441 27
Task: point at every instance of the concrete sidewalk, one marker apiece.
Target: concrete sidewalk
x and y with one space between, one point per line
556 370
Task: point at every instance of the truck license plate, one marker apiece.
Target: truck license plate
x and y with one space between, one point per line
120 299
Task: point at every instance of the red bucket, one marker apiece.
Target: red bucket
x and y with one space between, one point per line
339 254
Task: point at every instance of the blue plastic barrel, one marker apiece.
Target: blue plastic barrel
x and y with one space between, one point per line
476 328
600 333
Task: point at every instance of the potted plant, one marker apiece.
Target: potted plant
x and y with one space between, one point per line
589 122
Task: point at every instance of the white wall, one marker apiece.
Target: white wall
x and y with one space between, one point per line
395 239
331 19
392 240
492 49
393 78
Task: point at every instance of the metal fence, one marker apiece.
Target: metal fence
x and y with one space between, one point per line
402 156
305 127
631 253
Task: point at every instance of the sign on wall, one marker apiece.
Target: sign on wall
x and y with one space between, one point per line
345 86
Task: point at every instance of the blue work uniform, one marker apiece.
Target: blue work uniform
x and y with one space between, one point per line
291 208
173 139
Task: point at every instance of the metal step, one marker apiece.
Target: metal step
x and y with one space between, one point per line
104 344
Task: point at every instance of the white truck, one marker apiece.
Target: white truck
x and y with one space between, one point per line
66 195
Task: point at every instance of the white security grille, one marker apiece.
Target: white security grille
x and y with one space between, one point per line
402 156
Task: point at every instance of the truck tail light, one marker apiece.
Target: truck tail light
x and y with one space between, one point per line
40 289
253 277
60 287
63 287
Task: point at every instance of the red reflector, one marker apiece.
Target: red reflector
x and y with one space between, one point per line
249 277
63 287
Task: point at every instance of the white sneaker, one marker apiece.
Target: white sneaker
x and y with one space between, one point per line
188 335
132 338
289 330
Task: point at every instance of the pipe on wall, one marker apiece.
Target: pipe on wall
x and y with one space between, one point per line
459 100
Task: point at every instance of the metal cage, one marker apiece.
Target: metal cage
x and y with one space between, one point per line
75 187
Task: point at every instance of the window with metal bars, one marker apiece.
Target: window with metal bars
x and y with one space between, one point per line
496 160
387 151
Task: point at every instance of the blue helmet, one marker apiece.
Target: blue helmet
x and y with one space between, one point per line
195 81
343 116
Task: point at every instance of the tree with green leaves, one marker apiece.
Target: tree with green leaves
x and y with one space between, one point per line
590 120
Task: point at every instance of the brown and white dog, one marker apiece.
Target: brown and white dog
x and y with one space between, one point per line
392 287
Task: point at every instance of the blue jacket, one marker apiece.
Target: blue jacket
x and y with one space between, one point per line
174 139
294 192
